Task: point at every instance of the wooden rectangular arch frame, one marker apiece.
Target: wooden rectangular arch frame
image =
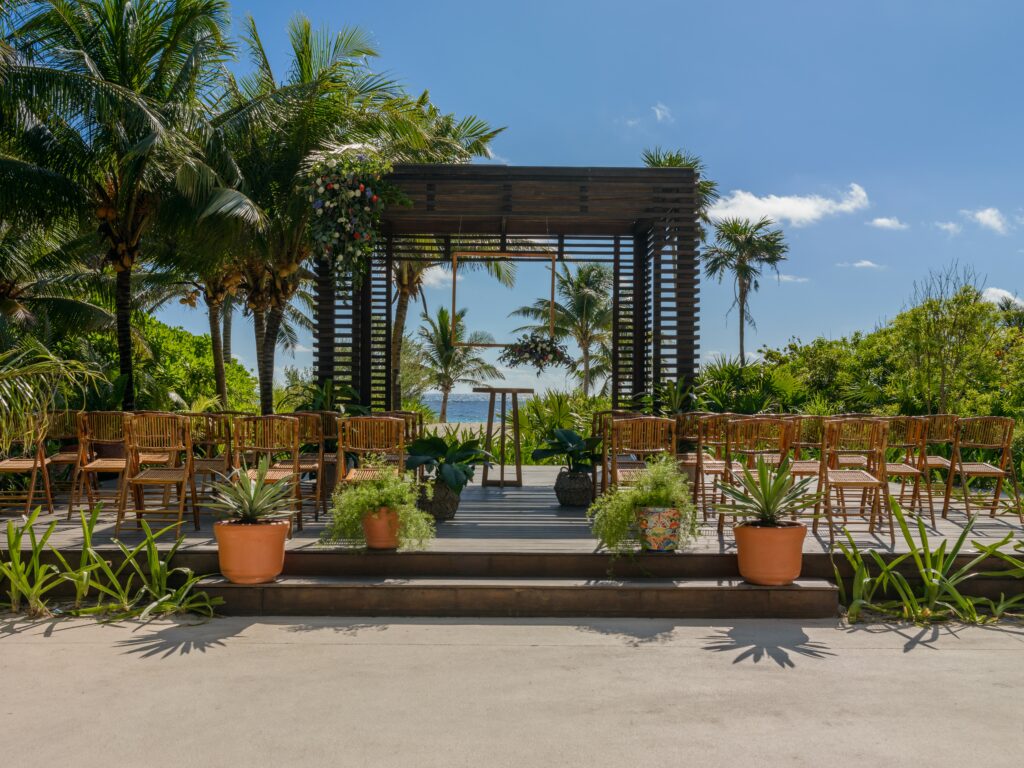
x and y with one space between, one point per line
551 256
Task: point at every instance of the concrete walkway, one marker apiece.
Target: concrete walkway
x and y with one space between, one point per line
488 693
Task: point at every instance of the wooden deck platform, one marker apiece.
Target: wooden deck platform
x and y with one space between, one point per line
529 520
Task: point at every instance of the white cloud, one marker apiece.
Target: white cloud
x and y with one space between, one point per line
861 264
783 278
437 277
632 122
990 218
995 295
302 348
662 113
951 228
887 222
797 210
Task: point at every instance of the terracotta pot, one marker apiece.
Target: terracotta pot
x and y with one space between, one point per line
250 554
381 529
659 528
443 505
770 556
574 489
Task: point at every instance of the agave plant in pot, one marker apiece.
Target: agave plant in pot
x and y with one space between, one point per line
573 486
655 512
256 518
379 513
769 544
448 465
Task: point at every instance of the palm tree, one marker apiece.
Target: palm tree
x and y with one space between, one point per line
94 116
584 314
409 278
707 190
447 357
743 249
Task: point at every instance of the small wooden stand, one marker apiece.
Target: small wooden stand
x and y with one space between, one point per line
501 482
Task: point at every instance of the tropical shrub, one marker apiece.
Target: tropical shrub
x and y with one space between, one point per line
354 501
613 516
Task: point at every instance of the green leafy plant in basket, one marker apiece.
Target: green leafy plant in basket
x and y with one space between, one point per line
656 513
574 486
448 463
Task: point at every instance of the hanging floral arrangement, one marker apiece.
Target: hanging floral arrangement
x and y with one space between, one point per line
538 350
347 193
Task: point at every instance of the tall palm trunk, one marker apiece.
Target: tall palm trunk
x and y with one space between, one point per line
397 337
741 302
266 363
585 360
123 312
443 416
227 312
219 377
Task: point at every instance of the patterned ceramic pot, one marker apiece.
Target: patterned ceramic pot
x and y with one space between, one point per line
659 528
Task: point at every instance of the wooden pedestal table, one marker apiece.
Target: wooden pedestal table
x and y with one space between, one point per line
501 482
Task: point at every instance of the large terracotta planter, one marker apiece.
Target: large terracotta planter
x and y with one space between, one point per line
770 556
659 528
381 529
250 554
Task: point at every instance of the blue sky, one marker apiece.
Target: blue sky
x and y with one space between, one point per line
885 137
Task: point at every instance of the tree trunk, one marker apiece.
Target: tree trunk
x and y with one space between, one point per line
219 378
397 337
742 304
227 313
585 351
259 325
123 312
273 324
443 416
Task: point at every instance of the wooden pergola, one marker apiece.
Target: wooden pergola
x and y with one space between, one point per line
640 221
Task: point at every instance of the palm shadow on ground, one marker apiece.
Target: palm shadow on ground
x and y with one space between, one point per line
778 642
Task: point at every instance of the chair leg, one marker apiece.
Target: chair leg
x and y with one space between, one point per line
122 503
949 493
47 489
31 491
179 488
195 501
995 497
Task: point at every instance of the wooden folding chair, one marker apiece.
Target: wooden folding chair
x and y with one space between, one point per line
601 427
211 447
908 441
275 438
940 432
750 440
377 437
805 444
103 450
159 456
711 458
62 440
413 423
855 437
978 439
311 457
687 440
27 457
634 441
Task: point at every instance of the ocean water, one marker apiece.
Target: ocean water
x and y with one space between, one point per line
469 406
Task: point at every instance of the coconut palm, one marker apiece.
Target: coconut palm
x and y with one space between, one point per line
742 249
447 358
583 313
707 190
93 120
409 278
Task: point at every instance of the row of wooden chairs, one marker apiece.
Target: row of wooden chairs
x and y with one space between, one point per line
847 453
182 453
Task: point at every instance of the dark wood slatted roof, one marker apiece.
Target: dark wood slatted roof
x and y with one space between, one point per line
525 200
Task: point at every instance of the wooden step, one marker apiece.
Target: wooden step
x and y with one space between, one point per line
466 596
